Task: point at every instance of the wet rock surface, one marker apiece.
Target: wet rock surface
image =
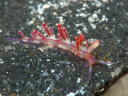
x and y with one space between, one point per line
26 71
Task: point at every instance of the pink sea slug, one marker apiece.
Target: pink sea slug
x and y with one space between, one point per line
81 47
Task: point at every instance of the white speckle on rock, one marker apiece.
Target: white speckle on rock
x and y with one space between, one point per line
101 90
40 94
79 14
61 20
7 48
104 18
45 73
118 40
1 61
46 6
83 8
84 27
64 3
41 49
79 32
30 2
106 1
97 3
93 26
97 85
52 70
41 8
80 91
55 13
94 15
48 89
85 5
65 62
91 40
127 53
71 94
31 21
1 30
12 58
116 72
78 80
83 15
93 18
48 60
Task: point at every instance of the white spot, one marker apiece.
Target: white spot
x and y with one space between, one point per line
91 40
52 70
55 13
104 18
30 2
65 62
71 94
80 91
106 1
41 8
1 61
79 32
94 15
85 5
118 40
40 94
48 60
116 72
41 18
84 28
93 26
83 15
93 18
127 53
97 3
13 58
41 49
1 30
31 21
61 20
78 80
82 9
7 48
64 3
46 6
48 89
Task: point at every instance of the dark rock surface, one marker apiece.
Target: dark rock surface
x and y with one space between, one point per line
26 71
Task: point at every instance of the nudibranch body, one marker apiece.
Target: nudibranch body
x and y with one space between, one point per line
81 47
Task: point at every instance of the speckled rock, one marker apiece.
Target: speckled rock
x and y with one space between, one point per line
26 71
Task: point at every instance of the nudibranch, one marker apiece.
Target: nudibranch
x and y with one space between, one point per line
81 47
